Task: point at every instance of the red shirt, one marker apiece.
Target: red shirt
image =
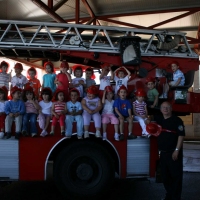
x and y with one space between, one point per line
35 84
63 79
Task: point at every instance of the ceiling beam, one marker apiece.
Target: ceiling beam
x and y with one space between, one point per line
198 32
49 11
89 9
77 11
172 19
26 62
195 9
50 4
124 23
59 4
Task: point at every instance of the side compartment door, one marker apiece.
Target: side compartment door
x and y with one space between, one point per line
9 159
138 156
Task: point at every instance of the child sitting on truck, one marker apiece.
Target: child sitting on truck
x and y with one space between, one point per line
178 79
3 99
78 82
18 80
14 110
34 82
91 106
121 77
74 113
123 110
58 111
5 78
104 78
152 94
45 112
32 108
108 113
49 77
89 73
63 78
140 111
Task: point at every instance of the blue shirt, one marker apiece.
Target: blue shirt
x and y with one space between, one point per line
48 81
74 106
179 74
15 107
123 106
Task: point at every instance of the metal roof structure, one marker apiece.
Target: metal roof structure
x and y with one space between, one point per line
171 15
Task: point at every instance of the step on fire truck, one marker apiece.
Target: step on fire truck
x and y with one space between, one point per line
86 168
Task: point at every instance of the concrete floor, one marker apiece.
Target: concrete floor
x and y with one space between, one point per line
191 156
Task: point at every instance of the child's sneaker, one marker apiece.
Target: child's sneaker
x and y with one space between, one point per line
43 133
131 137
79 137
8 135
17 135
98 134
104 136
1 135
163 96
24 133
33 134
86 134
121 137
51 133
116 137
63 133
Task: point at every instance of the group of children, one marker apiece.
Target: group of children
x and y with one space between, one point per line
66 100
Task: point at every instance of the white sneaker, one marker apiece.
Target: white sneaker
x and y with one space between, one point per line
104 136
1 135
86 134
43 133
116 137
163 96
98 134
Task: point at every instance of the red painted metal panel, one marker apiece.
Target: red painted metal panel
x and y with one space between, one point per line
32 156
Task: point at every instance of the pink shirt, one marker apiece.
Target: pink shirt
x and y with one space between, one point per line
30 108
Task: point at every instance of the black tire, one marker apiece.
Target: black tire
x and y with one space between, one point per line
84 169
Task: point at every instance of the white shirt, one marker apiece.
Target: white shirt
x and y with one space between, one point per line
80 87
108 107
105 81
120 82
46 107
19 81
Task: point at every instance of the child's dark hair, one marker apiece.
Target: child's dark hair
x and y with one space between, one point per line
78 68
5 97
47 92
50 64
56 96
89 70
32 69
4 63
28 92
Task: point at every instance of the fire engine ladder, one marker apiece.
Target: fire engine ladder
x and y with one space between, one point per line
26 35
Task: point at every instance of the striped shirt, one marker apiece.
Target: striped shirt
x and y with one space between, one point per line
139 107
59 106
4 80
30 108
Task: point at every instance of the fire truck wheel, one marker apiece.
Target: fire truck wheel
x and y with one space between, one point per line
84 170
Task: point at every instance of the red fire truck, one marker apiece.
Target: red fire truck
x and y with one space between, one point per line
86 168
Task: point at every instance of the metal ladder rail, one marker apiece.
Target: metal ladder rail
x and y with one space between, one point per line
35 38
